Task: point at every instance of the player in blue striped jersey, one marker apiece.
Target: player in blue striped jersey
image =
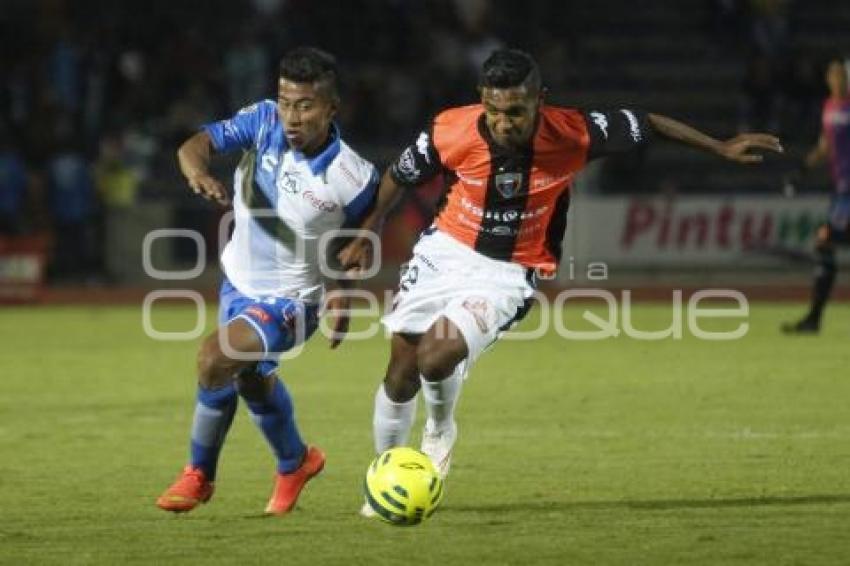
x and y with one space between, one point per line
297 181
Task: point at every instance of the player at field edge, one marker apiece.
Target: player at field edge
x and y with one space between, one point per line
297 180
508 164
833 146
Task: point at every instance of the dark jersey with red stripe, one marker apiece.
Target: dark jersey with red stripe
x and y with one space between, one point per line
836 128
511 205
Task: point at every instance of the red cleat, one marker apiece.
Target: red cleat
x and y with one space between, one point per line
287 487
190 489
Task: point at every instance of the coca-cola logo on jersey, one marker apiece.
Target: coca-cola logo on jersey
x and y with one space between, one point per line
318 203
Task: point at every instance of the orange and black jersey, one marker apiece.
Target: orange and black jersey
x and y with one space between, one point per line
512 205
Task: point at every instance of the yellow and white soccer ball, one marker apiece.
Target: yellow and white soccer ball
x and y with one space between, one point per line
403 487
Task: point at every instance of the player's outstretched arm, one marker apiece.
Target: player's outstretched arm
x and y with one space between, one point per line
743 148
815 156
194 158
338 309
356 256
818 154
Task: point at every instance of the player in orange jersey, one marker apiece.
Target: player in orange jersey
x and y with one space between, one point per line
508 165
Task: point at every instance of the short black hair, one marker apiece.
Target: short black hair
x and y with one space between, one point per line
506 68
311 65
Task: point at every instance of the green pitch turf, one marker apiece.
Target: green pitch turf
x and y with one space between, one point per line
610 452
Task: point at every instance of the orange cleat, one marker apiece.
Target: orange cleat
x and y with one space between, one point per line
190 489
287 487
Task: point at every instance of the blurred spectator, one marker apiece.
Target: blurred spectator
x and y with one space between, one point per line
140 149
187 113
770 31
13 188
761 102
64 71
96 89
727 19
150 77
117 183
246 67
268 8
72 204
17 89
477 17
804 93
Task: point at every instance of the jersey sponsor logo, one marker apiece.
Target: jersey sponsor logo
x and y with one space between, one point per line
348 174
509 215
258 313
500 229
319 203
407 165
547 180
479 309
508 184
601 122
426 261
422 146
634 126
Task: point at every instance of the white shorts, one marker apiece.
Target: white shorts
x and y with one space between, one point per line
481 296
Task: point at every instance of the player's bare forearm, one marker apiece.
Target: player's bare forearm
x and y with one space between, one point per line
194 158
739 149
338 309
680 132
194 155
356 257
389 192
818 154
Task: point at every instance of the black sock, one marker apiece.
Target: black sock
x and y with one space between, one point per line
824 280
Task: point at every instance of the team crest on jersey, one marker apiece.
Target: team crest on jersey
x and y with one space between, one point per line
290 182
508 184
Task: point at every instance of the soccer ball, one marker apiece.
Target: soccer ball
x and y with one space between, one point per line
403 487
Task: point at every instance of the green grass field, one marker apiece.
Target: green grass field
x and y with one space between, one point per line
609 452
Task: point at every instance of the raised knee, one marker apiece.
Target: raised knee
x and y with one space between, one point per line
215 369
402 381
252 386
434 362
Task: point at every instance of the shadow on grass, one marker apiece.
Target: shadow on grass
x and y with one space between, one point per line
652 504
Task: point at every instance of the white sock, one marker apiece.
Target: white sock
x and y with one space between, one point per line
441 398
392 421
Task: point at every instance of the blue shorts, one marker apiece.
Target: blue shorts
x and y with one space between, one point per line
281 323
839 218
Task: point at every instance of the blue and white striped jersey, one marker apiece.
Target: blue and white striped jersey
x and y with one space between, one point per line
284 201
